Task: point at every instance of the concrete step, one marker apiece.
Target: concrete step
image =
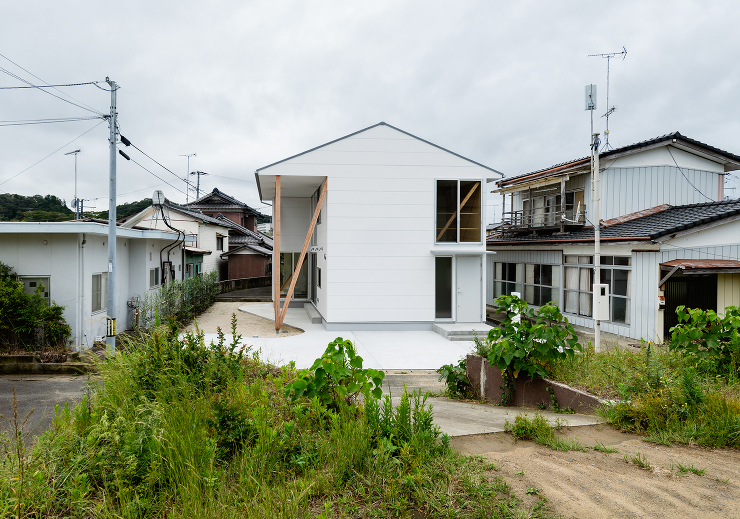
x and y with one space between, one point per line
461 333
313 315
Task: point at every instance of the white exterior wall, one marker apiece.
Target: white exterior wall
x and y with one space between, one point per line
70 265
379 224
207 235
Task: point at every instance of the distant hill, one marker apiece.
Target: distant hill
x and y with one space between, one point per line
17 208
49 208
122 209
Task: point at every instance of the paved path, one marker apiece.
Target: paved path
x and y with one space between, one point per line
42 393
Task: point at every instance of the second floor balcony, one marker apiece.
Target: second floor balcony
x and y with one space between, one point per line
555 217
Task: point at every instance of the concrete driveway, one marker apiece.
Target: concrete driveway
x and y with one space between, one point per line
42 393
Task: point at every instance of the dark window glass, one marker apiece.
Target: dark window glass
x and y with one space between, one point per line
607 260
623 260
619 310
443 288
446 211
546 275
621 282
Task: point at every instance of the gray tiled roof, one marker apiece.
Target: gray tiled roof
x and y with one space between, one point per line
651 227
232 203
605 155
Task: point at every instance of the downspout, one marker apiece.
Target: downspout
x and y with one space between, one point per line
80 289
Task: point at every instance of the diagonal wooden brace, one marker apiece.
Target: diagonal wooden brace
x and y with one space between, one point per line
315 218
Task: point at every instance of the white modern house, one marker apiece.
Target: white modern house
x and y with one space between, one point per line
393 230
70 259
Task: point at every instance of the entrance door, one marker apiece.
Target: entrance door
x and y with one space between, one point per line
469 295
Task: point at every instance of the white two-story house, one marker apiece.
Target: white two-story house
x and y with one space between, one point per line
399 243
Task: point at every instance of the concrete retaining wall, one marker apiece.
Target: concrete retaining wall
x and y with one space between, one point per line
486 382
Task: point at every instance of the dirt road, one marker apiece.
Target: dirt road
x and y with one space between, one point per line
598 485
248 325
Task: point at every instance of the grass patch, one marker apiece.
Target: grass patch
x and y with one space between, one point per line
685 469
600 447
638 459
664 394
538 430
176 429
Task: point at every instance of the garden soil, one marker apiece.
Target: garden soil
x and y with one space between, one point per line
248 325
594 484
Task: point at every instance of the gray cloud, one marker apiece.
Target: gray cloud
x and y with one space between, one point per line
244 84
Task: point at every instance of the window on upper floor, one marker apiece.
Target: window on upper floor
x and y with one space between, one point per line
219 242
458 208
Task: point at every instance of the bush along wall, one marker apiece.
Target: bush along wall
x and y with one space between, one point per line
181 300
27 321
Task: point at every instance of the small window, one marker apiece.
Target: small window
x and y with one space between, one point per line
99 292
199 268
154 277
32 284
318 278
189 270
219 243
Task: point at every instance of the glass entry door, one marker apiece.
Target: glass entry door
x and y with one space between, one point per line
314 276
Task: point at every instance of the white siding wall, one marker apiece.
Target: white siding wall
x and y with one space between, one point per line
644 296
627 190
380 218
207 240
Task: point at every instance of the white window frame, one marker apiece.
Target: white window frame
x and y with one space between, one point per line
156 282
99 301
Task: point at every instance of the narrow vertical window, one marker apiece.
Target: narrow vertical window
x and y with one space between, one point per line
443 288
447 210
470 211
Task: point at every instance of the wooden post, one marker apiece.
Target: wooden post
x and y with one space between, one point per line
303 252
276 252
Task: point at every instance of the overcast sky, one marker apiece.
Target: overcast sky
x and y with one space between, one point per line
244 84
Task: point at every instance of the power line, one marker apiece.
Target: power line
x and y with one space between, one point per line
50 154
49 86
157 176
687 178
24 122
129 143
80 105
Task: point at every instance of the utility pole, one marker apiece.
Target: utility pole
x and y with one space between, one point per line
187 182
596 287
197 189
110 338
609 110
77 212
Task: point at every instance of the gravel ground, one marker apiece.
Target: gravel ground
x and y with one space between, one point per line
248 325
591 484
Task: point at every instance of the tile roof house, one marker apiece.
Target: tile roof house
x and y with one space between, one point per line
662 200
218 202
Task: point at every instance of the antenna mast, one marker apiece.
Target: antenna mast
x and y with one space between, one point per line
609 109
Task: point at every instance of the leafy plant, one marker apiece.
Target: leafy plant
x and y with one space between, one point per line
337 377
638 459
530 343
711 339
456 379
231 427
684 469
27 321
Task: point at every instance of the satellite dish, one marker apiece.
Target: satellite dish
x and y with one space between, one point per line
158 198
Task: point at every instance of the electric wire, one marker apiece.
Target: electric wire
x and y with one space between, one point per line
161 165
48 86
157 176
50 93
89 108
26 122
52 153
687 178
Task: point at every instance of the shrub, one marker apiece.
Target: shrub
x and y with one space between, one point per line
28 321
337 377
537 429
456 379
182 300
711 340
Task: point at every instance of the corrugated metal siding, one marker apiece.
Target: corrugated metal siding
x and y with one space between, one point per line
728 291
644 296
626 190
728 252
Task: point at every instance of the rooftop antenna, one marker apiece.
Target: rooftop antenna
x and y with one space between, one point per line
609 109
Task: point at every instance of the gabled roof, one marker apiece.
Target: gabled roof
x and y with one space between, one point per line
649 227
369 128
256 248
217 200
669 138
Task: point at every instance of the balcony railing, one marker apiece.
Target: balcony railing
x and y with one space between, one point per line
550 217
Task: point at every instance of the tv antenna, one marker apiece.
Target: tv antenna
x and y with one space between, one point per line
609 109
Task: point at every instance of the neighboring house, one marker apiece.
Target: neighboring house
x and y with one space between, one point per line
217 202
250 252
206 238
399 242
661 203
70 259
